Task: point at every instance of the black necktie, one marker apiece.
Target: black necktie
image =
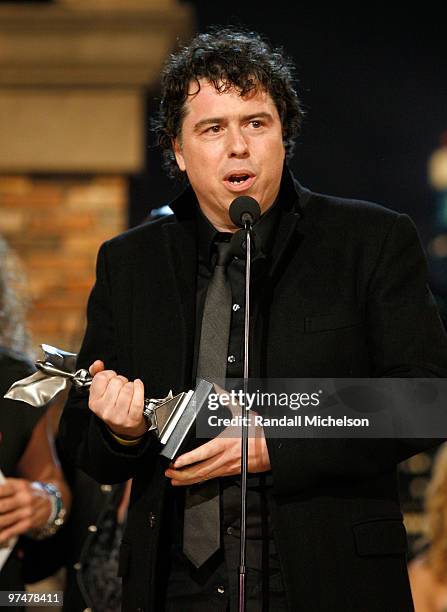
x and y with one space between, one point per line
201 533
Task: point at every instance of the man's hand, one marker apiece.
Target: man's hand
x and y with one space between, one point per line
220 457
21 508
117 401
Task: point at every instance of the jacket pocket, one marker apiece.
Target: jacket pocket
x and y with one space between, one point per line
328 322
380 537
124 559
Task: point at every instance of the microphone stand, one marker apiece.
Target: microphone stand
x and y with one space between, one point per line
245 414
244 212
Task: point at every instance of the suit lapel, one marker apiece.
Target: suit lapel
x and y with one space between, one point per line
288 237
289 231
181 244
163 309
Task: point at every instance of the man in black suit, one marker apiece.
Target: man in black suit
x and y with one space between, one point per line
339 290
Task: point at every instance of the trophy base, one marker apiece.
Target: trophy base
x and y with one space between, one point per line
182 438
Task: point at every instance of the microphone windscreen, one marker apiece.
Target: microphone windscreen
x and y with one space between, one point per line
244 208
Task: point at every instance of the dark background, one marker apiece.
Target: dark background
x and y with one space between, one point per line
374 87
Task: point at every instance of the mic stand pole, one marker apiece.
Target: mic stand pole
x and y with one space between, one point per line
245 414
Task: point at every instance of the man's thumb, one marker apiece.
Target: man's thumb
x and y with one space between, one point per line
97 366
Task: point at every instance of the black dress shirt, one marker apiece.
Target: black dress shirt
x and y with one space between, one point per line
215 584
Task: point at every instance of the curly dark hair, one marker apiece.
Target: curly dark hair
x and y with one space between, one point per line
227 58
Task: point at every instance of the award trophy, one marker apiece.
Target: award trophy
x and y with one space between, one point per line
171 418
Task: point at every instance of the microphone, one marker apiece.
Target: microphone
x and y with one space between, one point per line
244 212
244 209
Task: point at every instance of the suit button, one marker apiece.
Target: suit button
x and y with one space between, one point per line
77 566
92 528
106 488
152 519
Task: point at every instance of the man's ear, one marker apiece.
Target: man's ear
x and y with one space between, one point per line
177 148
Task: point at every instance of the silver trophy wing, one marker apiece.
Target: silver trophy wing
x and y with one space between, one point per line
37 389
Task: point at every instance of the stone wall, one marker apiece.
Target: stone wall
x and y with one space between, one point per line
55 225
73 79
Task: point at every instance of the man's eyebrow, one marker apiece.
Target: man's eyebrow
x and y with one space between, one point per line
261 115
212 120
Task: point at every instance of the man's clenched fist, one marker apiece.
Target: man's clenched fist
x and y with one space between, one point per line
117 401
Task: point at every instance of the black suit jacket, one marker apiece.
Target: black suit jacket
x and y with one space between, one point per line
347 297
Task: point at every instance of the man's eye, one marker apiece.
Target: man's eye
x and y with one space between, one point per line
256 123
214 129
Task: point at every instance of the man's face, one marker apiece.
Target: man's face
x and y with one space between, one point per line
230 146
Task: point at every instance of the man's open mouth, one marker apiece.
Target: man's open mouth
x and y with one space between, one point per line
236 179
239 180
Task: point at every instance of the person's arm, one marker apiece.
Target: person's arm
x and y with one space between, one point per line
423 586
84 435
221 456
25 505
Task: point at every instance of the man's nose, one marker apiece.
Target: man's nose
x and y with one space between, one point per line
237 143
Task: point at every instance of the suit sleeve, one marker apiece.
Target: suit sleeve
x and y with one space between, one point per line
83 438
405 339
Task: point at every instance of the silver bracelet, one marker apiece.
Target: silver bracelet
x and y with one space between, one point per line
57 514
